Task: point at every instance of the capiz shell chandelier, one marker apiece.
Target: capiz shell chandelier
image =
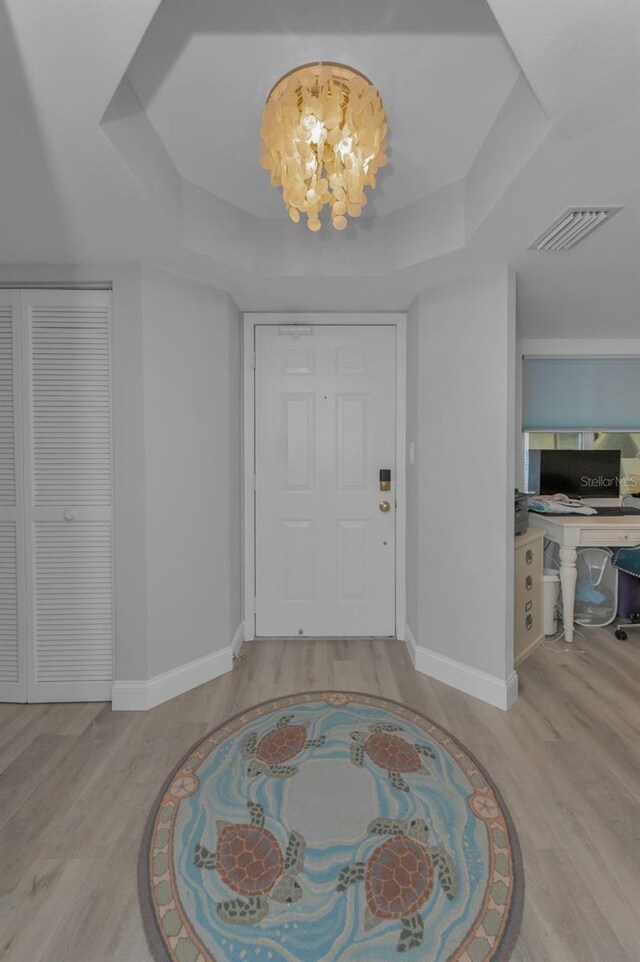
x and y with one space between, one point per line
324 135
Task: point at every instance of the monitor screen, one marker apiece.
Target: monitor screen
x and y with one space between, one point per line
579 474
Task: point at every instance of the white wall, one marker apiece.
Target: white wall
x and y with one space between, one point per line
461 393
191 429
177 416
176 443
131 656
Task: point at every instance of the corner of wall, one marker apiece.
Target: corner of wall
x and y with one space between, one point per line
143 695
464 397
512 409
131 655
500 692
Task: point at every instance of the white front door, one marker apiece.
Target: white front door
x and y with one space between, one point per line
325 428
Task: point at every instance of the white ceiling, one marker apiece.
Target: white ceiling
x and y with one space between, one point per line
202 73
69 195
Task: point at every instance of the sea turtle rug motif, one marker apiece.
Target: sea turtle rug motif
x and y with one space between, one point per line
330 827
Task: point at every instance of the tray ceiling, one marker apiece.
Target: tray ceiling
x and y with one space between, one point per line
85 178
202 76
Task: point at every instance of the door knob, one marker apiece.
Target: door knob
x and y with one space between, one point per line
384 506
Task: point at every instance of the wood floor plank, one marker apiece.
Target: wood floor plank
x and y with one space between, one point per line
47 894
28 771
77 783
573 929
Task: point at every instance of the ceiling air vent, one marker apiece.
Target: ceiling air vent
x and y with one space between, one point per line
572 227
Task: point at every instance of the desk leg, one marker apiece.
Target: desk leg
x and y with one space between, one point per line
568 578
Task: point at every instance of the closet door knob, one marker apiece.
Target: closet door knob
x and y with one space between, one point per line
69 514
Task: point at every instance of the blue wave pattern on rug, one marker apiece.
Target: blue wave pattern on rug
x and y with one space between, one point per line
327 925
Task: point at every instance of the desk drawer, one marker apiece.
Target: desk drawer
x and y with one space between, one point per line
607 536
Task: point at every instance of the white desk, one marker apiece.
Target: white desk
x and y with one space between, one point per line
576 531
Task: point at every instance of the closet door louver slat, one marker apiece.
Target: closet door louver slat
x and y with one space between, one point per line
7 410
70 483
74 592
70 406
9 668
12 620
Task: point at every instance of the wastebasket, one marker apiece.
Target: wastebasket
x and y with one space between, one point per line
550 589
596 588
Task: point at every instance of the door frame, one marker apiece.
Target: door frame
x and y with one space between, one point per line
250 322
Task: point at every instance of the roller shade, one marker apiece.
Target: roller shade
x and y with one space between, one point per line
581 394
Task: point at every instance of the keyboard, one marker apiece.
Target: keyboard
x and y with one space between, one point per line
618 512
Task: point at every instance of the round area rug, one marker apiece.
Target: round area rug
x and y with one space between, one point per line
330 827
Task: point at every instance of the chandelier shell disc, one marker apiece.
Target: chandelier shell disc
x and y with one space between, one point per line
324 137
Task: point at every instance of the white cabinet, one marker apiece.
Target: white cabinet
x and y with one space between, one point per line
56 597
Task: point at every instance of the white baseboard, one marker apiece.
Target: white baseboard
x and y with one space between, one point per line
238 638
142 695
499 692
529 650
411 644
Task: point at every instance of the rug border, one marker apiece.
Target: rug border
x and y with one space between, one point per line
153 935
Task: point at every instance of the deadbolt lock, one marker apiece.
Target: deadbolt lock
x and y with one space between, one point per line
385 479
384 506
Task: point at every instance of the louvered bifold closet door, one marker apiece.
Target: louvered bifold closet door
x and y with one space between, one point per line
13 678
69 502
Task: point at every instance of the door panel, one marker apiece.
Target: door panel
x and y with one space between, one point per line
68 501
9 650
74 603
299 555
13 683
298 433
351 543
325 427
352 442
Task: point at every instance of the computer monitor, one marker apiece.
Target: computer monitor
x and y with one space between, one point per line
578 474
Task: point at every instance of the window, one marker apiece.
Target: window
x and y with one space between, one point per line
627 442
580 394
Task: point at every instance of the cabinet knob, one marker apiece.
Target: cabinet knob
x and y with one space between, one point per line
69 514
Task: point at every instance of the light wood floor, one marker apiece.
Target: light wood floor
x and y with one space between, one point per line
77 782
